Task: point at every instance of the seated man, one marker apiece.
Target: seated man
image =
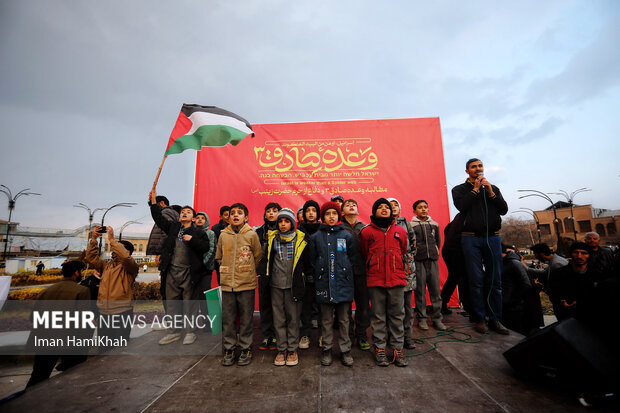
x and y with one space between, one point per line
543 253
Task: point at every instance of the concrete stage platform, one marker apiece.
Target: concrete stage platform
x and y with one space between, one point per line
456 377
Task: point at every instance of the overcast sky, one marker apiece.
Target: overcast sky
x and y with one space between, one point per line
90 90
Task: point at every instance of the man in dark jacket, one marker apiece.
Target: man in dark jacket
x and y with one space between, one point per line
309 308
181 264
482 205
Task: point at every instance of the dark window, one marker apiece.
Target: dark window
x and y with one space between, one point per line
560 227
600 228
611 228
140 247
584 226
568 224
545 229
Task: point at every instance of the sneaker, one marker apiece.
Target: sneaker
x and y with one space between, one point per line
399 358
280 359
380 357
170 338
158 328
409 344
229 358
292 359
272 344
363 344
481 327
422 324
498 327
189 338
347 359
264 345
439 325
245 358
304 343
326 358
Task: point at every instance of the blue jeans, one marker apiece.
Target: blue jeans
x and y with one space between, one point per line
483 261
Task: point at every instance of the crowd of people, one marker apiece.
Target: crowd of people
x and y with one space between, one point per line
312 264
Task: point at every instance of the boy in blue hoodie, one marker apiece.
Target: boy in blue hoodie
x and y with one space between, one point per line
332 252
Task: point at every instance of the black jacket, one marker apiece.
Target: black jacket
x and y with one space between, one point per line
515 280
477 206
199 245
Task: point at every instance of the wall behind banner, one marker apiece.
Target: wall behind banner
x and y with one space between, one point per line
293 162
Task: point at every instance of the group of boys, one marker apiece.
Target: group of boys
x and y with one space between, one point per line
316 263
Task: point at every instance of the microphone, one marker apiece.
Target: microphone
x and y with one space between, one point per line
482 175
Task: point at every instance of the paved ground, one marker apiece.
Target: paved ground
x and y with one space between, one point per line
456 377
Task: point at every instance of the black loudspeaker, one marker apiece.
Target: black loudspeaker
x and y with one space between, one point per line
570 353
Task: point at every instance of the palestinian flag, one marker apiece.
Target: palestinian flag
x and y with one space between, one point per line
199 126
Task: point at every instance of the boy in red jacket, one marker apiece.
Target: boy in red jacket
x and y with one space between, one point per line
383 245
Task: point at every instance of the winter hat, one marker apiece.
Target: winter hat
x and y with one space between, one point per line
378 202
206 225
337 198
330 205
395 200
310 203
288 214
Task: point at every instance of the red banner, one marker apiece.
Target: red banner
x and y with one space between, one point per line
293 162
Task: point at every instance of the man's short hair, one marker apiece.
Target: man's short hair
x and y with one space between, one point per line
578 245
350 200
470 161
240 206
592 233
177 208
189 207
224 209
160 198
70 267
272 205
418 202
506 247
541 248
128 246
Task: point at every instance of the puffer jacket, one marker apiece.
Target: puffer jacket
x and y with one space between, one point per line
410 256
238 255
332 252
384 252
427 237
117 278
300 262
158 236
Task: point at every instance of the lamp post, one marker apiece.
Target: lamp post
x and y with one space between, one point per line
120 204
125 225
12 200
524 212
570 198
540 194
533 213
91 215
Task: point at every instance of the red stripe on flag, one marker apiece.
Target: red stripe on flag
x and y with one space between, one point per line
183 125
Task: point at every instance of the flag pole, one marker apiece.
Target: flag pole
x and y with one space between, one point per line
159 172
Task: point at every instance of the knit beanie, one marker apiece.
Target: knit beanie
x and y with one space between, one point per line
288 214
337 198
395 200
310 203
330 205
378 202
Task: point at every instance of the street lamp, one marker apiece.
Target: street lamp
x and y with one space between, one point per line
528 227
120 204
570 198
533 213
12 200
125 225
540 194
91 214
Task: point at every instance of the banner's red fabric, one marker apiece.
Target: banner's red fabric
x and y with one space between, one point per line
293 162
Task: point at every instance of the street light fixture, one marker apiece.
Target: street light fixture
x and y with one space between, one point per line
91 215
120 204
12 200
125 225
570 198
540 194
